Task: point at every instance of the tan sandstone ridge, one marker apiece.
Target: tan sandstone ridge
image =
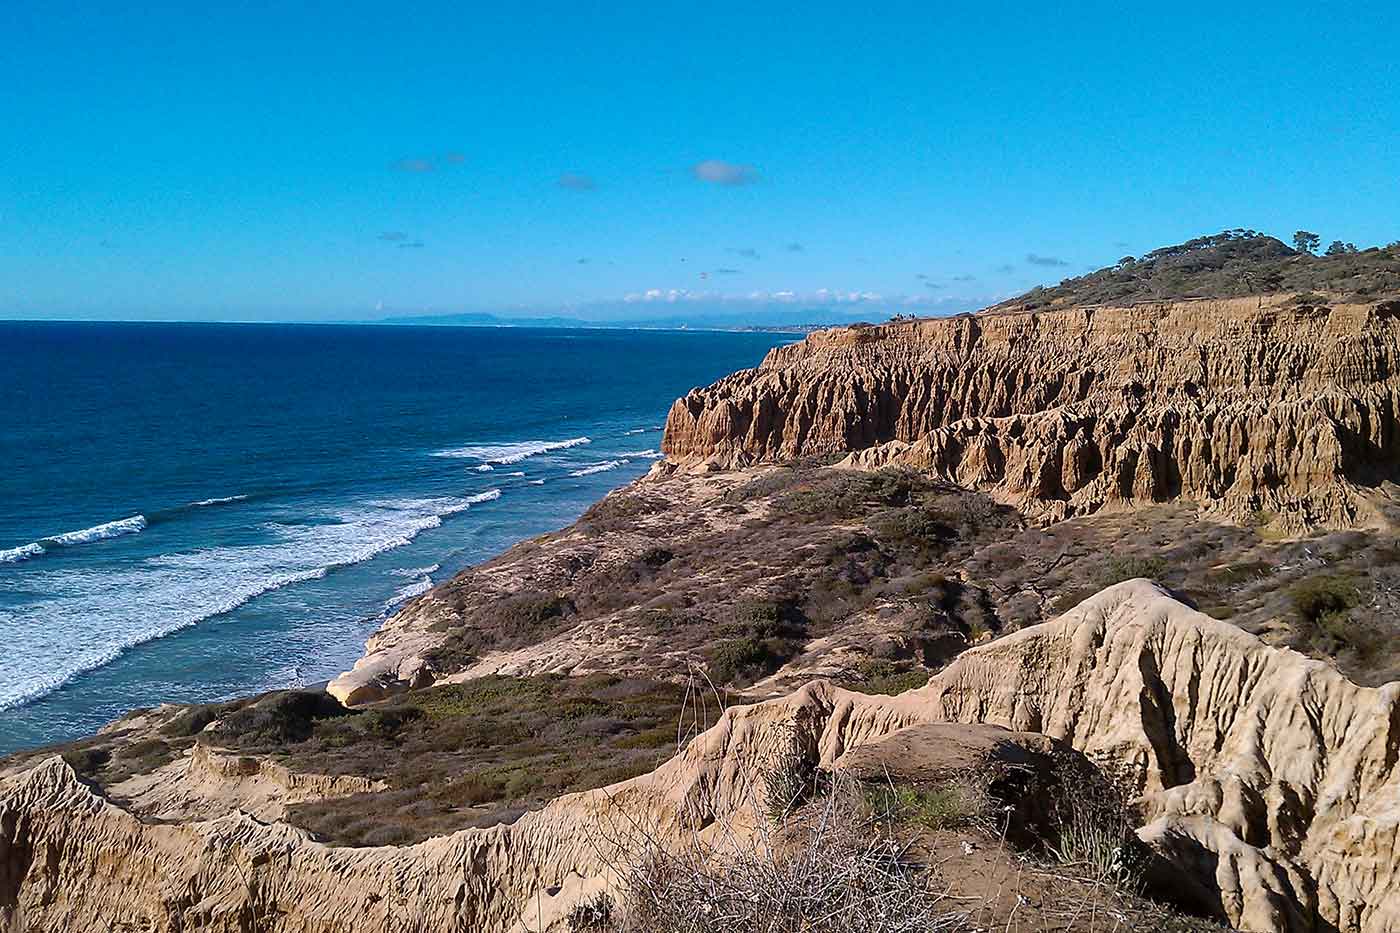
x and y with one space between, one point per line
1270 777
1246 406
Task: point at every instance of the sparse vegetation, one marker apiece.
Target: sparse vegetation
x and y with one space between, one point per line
1325 594
887 677
832 872
843 856
459 755
1121 568
1234 263
1094 829
1324 604
941 806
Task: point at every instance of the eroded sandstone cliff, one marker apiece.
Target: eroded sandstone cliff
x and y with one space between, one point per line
1270 777
1263 408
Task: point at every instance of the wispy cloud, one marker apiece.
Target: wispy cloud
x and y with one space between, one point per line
1036 260
747 252
577 181
423 164
729 272
964 278
413 244
392 236
933 285
1005 268
719 172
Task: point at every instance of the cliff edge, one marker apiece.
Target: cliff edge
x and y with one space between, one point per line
1277 408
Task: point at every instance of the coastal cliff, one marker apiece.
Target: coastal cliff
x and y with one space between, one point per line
1250 406
1271 775
887 545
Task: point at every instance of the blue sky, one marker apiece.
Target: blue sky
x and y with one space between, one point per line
357 160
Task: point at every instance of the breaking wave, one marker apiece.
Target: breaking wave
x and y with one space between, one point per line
114 529
416 571
603 467
88 617
24 552
220 501
511 453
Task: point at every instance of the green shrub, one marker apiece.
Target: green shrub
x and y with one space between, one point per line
478 695
277 718
938 806
376 725
1235 574
922 530
193 720
1323 595
739 659
530 610
1118 569
889 679
471 790
846 494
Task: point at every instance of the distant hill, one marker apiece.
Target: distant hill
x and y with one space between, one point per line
1232 264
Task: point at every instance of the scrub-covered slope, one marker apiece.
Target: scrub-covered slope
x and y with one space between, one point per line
1268 778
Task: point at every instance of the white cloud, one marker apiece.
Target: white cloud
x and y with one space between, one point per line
719 172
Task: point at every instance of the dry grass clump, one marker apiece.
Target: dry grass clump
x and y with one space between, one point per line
1093 829
831 869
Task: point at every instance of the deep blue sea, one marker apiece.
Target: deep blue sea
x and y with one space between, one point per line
191 512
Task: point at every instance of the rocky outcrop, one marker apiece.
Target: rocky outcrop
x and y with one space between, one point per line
1245 406
206 783
1269 776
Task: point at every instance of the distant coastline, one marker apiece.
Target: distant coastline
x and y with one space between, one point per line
801 321
454 321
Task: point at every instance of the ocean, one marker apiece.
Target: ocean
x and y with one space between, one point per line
191 512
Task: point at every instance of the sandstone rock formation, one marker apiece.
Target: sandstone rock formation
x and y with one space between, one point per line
1270 776
1246 406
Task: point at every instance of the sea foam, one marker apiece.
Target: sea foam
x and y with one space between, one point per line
409 590
23 552
416 571
88 617
114 529
219 501
603 467
122 526
511 453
